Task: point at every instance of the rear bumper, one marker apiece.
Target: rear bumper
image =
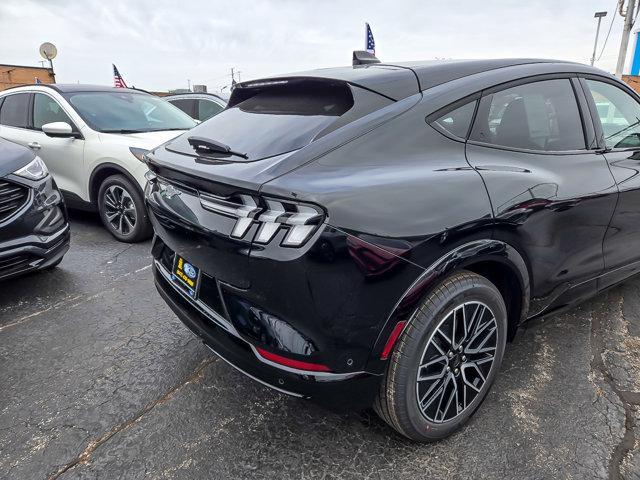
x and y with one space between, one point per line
336 391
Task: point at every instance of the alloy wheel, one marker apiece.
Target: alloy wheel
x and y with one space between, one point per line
456 362
119 209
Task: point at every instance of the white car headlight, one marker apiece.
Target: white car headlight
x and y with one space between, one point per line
35 170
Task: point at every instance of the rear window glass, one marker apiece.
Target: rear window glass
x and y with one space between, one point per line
457 122
187 105
273 121
207 109
15 110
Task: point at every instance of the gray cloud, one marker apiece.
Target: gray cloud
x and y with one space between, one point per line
160 44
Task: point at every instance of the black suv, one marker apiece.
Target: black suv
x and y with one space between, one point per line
34 231
375 234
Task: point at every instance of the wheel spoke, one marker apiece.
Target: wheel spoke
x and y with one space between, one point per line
477 313
463 372
444 390
429 397
128 222
452 395
447 339
423 378
481 347
110 201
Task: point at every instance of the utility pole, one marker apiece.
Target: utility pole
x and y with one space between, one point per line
599 16
628 15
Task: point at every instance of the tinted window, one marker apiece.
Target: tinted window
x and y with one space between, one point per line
619 114
47 110
128 112
207 109
264 123
458 121
535 116
187 105
15 110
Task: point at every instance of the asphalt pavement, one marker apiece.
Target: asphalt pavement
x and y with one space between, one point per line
98 379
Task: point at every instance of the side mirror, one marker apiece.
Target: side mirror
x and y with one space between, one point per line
58 129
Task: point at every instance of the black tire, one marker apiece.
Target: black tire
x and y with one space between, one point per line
131 223
397 402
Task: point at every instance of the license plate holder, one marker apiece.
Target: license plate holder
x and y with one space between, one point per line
186 276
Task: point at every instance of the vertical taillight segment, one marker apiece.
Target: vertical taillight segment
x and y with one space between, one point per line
271 215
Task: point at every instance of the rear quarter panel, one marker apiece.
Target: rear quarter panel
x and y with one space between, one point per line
402 182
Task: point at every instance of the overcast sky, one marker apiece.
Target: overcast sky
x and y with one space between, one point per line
159 44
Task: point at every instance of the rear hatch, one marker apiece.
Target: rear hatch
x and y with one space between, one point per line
265 124
212 174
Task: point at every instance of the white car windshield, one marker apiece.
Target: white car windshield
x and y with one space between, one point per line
128 112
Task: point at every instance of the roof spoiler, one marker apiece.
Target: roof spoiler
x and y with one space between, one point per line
362 57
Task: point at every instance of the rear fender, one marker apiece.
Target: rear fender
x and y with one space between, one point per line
466 255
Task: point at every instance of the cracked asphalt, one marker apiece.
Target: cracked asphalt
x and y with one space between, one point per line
98 379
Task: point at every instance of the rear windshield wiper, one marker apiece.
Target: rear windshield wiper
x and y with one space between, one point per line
205 145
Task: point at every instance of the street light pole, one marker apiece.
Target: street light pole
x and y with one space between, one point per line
628 24
599 16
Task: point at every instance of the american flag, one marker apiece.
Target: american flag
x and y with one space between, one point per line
369 42
118 82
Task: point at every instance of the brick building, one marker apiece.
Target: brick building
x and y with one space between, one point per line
15 75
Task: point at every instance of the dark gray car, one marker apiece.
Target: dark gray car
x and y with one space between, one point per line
199 106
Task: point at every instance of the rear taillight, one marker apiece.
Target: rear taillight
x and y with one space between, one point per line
243 207
271 215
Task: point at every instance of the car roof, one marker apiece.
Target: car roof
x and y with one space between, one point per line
398 80
78 87
435 72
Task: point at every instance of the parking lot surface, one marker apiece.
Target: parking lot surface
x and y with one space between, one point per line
98 379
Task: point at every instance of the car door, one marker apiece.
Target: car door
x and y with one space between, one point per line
64 157
14 119
552 194
616 112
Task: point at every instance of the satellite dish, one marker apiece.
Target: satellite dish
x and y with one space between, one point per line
48 51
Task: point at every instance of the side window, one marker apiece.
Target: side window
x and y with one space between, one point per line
458 121
47 110
534 116
619 114
207 109
15 110
187 105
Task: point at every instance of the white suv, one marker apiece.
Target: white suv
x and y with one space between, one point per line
93 140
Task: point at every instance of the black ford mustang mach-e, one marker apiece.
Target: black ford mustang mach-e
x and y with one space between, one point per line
375 234
34 231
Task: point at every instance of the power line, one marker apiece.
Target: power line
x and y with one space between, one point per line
615 10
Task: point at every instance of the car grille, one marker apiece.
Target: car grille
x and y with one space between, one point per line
15 264
12 198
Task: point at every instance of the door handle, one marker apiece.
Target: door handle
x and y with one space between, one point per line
35 145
